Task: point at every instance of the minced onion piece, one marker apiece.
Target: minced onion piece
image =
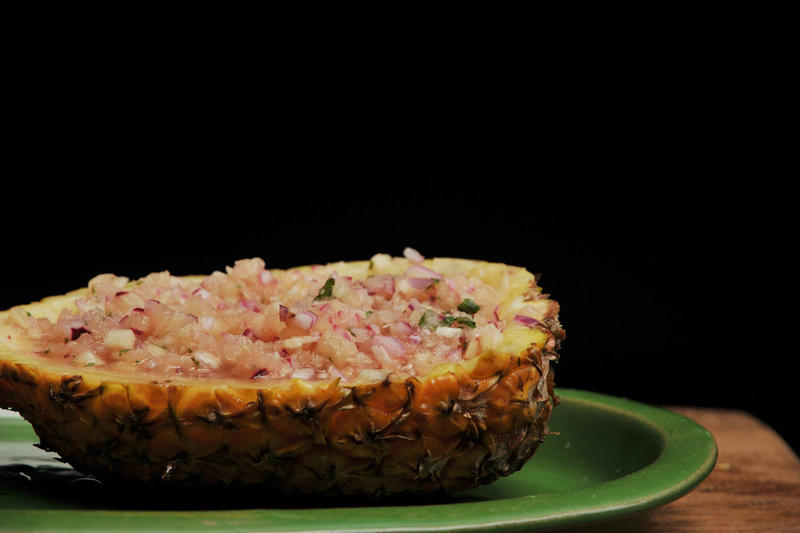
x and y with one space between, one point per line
265 276
419 283
305 319
381 355
526 320
251 305
412 255
392 346
419 271
202 293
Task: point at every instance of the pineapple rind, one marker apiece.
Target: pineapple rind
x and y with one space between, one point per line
463 425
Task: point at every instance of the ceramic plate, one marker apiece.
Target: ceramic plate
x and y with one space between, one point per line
610 462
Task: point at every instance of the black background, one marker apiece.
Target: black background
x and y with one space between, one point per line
651 210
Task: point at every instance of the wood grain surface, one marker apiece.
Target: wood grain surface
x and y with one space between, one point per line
755 485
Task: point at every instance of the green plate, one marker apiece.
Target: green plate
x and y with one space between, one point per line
611 463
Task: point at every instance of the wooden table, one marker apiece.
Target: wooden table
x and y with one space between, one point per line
755 485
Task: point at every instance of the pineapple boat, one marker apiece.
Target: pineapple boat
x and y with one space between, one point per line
393 375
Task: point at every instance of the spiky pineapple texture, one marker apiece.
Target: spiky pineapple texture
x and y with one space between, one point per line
464 425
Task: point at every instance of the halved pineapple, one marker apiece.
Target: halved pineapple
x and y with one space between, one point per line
393 375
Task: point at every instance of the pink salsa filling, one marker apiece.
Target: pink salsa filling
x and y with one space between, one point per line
253 323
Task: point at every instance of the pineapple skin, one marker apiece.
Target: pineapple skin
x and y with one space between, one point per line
464 426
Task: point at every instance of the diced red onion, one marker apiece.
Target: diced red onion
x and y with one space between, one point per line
343 332
251 305
419 271
120 293
306 319
283 312
394 347
526 320
415 338
404 328
207 322
381 355
380 284
419 283
412 255
265 276
202 293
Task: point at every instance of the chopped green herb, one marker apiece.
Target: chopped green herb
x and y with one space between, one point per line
449 320
196 362
90 363
469 306
326 291
464 321
427 321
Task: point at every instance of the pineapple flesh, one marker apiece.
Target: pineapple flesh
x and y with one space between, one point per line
295 402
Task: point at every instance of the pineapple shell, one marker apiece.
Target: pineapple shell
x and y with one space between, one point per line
463 425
